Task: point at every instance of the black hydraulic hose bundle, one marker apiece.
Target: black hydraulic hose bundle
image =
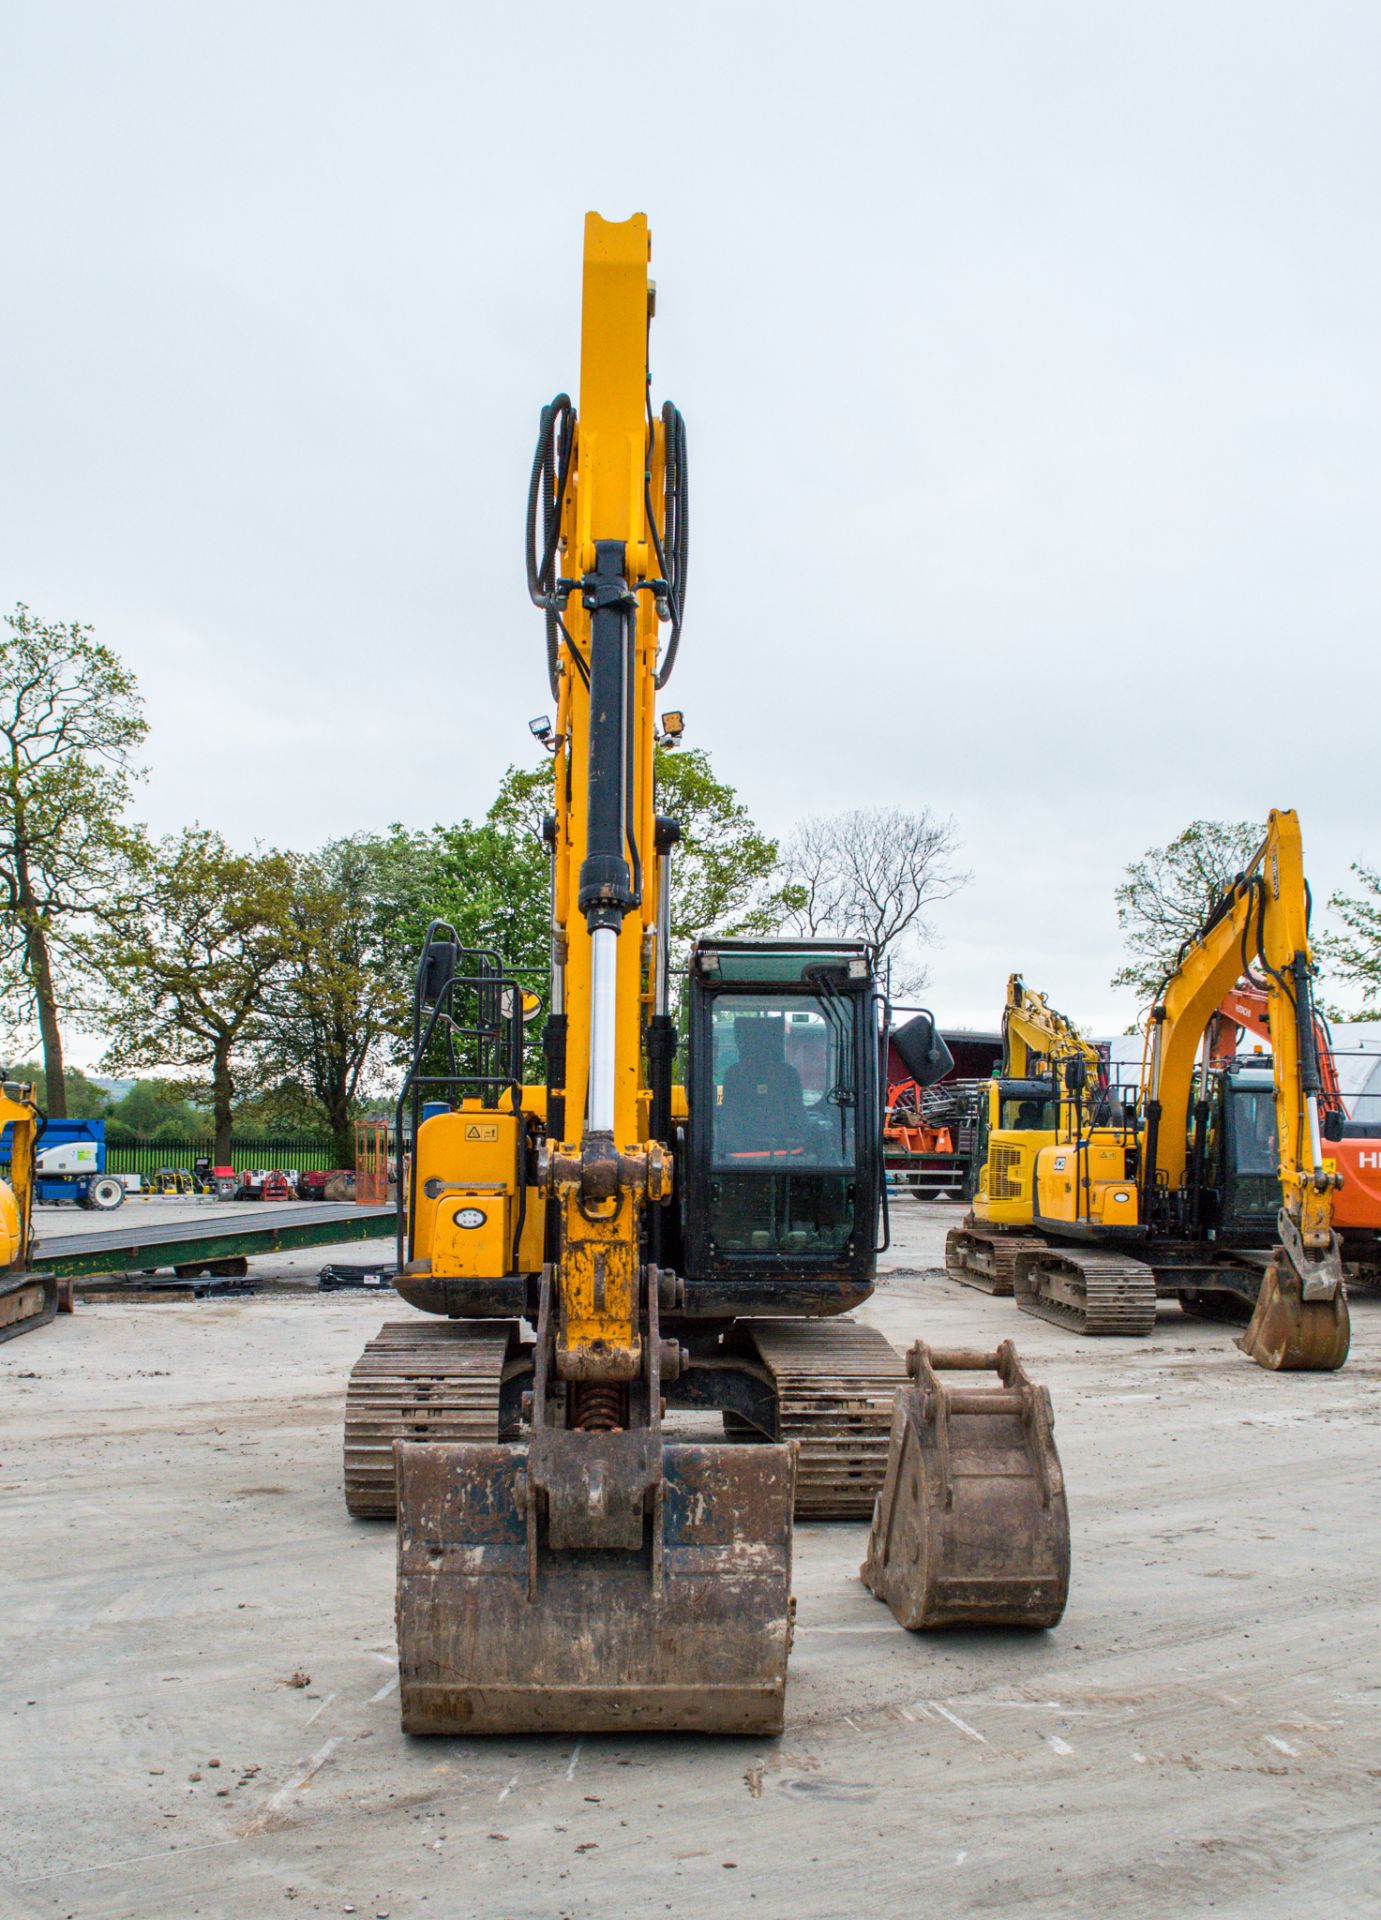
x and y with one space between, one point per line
672 545
551 467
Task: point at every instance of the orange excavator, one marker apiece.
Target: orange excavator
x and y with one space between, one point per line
1352 1143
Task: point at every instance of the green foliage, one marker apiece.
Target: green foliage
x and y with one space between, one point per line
189 965
724 869
158 1109
1169 892
342 992
70 720
492 884
85 1100
1354 951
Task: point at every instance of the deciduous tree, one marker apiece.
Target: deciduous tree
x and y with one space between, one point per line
1169 892
1354 950
190 966
71 721
344 988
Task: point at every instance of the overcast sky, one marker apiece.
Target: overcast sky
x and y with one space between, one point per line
1029 356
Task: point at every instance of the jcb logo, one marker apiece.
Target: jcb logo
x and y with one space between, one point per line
1370 1160
482 1130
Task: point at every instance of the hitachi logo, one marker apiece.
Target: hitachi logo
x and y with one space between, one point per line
1370 1160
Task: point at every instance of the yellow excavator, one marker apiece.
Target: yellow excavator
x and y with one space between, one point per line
1019 1112
595 1523
27 1299
1208 1183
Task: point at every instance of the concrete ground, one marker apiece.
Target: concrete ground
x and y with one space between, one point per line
198 1694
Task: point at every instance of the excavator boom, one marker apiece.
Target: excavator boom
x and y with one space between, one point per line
596 1574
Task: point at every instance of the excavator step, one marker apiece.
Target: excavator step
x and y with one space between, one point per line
418 1380
1095 1293
971 1527
985 1258
835 1381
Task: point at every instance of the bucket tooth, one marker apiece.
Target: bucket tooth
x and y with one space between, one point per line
1291 1333
502 1630
971 1527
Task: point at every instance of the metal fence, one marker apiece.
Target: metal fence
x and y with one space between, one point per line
147 1156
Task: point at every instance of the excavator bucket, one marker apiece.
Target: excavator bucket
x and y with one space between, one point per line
1289 1332
971 1526
594 1582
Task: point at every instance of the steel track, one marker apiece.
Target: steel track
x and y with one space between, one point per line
1094 1293
986 1258
418 1380
836 1381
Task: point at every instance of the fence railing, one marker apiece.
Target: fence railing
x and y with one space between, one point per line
146 1156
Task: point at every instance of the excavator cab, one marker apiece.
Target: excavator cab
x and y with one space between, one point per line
1243 1196
783 1144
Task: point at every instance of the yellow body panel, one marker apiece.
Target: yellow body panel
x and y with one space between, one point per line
470 1161
20 1115
1003 1197
11 1227
1086 1184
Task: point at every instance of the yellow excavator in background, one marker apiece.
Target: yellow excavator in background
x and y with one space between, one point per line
1207 1184
27 1300
566 1559
1019 1112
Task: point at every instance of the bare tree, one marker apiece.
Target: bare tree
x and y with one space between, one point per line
873 874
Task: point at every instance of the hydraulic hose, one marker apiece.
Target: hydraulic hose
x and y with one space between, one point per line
551 466
672 545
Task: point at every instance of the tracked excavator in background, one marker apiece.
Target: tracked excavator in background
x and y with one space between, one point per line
571 1555
1354 1144
27 1299
1206 1184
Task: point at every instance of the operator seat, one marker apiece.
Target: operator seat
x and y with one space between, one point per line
763 1106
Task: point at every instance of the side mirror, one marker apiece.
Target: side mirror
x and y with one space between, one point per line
923 1053
439 964
1333 1125
1076 1073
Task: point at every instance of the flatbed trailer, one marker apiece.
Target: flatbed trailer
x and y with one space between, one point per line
144 1243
